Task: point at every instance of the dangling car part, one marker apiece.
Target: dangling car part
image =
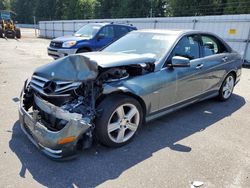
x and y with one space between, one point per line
109 94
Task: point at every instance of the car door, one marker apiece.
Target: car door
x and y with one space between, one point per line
105 36
188 79
215 57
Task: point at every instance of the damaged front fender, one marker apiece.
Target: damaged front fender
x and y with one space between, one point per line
58 105
49 141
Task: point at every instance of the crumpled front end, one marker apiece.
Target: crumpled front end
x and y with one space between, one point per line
59 143
59 104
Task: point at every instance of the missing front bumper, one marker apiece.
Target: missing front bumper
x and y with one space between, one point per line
47 140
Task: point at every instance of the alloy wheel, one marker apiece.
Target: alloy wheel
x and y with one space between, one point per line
228 87
123 123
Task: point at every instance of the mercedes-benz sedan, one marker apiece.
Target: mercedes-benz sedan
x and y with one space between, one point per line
110 94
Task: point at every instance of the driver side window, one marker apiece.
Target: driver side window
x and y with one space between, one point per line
187 47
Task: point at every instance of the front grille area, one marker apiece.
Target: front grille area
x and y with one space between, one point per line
55 44
51 87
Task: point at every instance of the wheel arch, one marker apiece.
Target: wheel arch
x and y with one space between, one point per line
221 96
84 48
125 93
234 72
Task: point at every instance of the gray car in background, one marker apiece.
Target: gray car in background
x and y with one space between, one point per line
110 94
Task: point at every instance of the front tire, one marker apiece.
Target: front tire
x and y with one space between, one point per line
10 33
227 88
119 120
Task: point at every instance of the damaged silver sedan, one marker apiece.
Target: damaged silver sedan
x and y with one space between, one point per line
108 95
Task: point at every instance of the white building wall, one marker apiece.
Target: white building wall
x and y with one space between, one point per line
235 29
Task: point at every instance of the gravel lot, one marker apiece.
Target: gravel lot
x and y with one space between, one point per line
208 141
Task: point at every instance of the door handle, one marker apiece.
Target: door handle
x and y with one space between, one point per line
199 66
224 59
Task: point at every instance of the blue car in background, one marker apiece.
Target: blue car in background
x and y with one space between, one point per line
91 37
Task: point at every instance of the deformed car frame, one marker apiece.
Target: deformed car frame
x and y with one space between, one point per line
78 127
109 94
49 141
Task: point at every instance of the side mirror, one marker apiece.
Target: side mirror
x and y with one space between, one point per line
178 61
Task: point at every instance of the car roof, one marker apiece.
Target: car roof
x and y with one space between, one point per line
110 23
99 23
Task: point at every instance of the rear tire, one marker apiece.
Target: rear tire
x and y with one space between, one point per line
1 32
227 88
119 120
18 33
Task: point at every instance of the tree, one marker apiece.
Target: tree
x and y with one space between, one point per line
78 9
138 8
2 5
103 8
24 10
86 9
237 7
123 9
45 9
89 9
5 5
196 7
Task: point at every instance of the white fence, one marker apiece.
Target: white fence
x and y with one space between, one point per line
235 29
28 26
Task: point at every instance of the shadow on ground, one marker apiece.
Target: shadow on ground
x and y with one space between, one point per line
99 164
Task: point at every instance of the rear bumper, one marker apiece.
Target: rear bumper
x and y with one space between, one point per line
47 140
58 53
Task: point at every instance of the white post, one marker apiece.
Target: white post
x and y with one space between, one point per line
246 47
35 25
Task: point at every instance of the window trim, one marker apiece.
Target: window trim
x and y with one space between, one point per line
120 26
215 39
102 28
187 35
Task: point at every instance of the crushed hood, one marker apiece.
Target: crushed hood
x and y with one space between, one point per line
84 66
70 68
109 59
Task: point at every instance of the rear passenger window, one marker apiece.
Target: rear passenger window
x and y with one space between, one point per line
212 46
107 32
121 30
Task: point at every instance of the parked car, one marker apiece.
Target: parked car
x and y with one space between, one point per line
111 93
91 37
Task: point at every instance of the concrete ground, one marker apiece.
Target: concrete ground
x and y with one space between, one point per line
208 141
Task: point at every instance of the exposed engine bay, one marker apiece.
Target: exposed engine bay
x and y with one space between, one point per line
75 84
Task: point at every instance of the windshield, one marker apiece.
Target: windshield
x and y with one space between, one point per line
5 15
88 31
143 43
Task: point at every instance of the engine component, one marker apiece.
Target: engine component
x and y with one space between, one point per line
79 106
